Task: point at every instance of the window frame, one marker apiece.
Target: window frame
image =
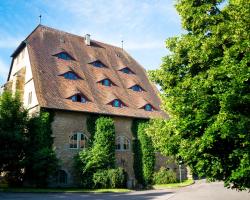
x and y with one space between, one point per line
152 108
76 77
78 140
98 64
121 104
74 98
140 89
29 97
126 70
66 56
122 139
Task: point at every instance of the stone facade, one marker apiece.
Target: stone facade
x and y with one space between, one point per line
66 123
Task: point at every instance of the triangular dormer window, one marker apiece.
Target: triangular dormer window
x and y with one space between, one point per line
148 107
71 75
136 88
79 98
107 82
64 56
98 63
117 103
126 70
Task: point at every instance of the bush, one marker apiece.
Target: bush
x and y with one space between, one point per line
110 178
165 176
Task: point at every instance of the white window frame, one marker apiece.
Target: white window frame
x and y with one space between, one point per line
122 139
29 98
78 140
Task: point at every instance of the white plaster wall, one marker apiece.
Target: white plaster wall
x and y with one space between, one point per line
29 86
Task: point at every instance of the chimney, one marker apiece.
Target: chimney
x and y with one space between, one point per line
87 39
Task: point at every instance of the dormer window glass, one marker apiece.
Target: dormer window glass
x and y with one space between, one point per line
106 82
126 70
148 107
71 76
117 103
98 63
64 56
136 88
78 98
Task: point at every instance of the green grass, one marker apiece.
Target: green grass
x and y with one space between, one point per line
174 185
64 190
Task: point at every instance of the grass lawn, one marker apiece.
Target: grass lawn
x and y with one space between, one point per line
174 185
65 190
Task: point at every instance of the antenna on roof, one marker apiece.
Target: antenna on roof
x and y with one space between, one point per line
122 44
40 19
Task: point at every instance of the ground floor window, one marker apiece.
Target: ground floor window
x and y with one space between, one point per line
62 177
122 143
78 140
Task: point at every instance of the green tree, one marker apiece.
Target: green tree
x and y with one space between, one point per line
13 120
144 153
205 89
40 158
101 155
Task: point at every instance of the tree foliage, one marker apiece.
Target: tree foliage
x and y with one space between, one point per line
205 89
13 121
101 155
144 153
40 158
25 144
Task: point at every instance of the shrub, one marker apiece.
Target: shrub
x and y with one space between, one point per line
110 178
165 176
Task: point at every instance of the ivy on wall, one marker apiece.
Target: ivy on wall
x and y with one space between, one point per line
91 127
144 156
101 153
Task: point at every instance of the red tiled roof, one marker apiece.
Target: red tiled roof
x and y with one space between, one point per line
54 90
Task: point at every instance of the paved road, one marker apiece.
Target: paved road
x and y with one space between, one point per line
198 191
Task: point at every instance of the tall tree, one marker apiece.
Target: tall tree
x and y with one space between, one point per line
205 89
13 121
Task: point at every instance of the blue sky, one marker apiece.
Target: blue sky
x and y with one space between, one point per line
144 25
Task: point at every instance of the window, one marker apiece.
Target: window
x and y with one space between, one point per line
98 64
71 76
126 70
106 82
78 98
117 103
62 177
122 143
64 56
136 88
148 107
29 98
78 141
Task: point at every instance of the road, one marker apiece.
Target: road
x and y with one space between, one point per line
198 191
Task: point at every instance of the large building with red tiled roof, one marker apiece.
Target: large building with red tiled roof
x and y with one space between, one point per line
75 76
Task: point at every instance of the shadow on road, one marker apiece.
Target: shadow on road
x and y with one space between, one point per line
145 195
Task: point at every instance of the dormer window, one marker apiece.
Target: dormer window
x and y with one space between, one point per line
126 70
79 98
64 56
137 88
117 103
106 82
71 76
148 107
98 63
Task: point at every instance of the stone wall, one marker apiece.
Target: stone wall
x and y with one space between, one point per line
66 123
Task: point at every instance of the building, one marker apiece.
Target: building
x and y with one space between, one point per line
75 76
